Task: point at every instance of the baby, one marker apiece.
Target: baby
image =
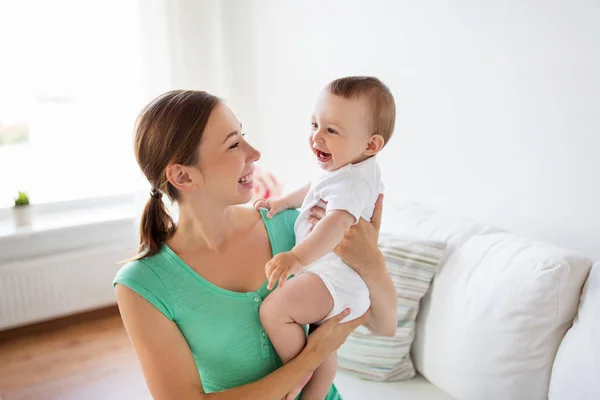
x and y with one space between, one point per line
352 121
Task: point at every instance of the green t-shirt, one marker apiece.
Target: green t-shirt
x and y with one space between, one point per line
222 327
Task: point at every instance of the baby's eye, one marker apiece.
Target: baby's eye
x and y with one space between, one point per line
314 125
330 130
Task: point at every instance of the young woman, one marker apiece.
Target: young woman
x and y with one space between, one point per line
190 301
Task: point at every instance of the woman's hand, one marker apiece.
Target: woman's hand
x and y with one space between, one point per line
359 247
330 335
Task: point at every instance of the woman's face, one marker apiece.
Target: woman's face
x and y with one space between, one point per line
226 160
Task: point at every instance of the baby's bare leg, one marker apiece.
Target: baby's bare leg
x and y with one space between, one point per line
320 383
303 300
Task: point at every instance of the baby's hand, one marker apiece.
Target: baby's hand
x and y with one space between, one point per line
275 206
281 267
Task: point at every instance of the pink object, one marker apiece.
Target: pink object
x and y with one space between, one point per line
265 185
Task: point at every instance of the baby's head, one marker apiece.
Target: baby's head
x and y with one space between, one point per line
353 120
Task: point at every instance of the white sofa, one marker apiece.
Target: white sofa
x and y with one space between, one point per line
495 318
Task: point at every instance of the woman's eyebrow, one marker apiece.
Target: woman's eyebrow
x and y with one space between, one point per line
230 134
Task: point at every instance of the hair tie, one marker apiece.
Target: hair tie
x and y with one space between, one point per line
156 193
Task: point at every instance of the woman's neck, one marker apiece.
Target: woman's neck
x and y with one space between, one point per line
202 226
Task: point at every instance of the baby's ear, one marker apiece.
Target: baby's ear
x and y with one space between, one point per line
374 145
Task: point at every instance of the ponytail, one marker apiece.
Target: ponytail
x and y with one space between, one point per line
168 131
156 226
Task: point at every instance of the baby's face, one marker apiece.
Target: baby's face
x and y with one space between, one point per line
340 131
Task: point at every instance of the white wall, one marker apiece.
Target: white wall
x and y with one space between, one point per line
499 102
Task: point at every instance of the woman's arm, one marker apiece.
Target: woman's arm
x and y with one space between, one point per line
359 249
171 372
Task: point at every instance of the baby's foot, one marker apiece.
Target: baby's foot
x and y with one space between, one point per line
296 391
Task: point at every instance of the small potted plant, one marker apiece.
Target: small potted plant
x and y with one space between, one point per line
22 210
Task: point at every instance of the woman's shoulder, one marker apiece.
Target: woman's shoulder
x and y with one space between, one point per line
144 277
281 229
143 268
284 221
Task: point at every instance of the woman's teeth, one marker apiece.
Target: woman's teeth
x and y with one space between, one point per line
246 179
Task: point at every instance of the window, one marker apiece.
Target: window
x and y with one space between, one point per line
71 85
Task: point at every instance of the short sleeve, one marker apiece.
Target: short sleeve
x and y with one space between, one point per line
281 229
351 193
142 279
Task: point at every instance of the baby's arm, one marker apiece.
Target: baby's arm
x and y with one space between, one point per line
290 200
324 237
295 198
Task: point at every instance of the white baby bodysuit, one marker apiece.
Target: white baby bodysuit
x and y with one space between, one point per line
353 188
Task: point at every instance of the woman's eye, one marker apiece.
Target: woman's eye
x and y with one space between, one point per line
331 130
237 144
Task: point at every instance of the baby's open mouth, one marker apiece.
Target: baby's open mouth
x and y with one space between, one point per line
322 156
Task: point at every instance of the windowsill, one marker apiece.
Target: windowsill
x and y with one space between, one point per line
68 226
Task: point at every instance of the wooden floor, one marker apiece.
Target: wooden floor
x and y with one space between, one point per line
84 359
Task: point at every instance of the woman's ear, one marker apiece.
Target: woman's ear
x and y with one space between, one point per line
374 145
179 176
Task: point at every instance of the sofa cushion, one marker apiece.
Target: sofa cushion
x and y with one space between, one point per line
496 312
576 371
495 317
421 221
411 265
353 388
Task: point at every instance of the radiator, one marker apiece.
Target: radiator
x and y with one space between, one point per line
52 286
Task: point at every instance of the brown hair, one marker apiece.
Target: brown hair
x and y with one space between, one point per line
383 107
167 131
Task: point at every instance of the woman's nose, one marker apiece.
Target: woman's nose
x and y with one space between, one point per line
253 154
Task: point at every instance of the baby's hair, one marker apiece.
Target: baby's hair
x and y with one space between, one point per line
383 107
